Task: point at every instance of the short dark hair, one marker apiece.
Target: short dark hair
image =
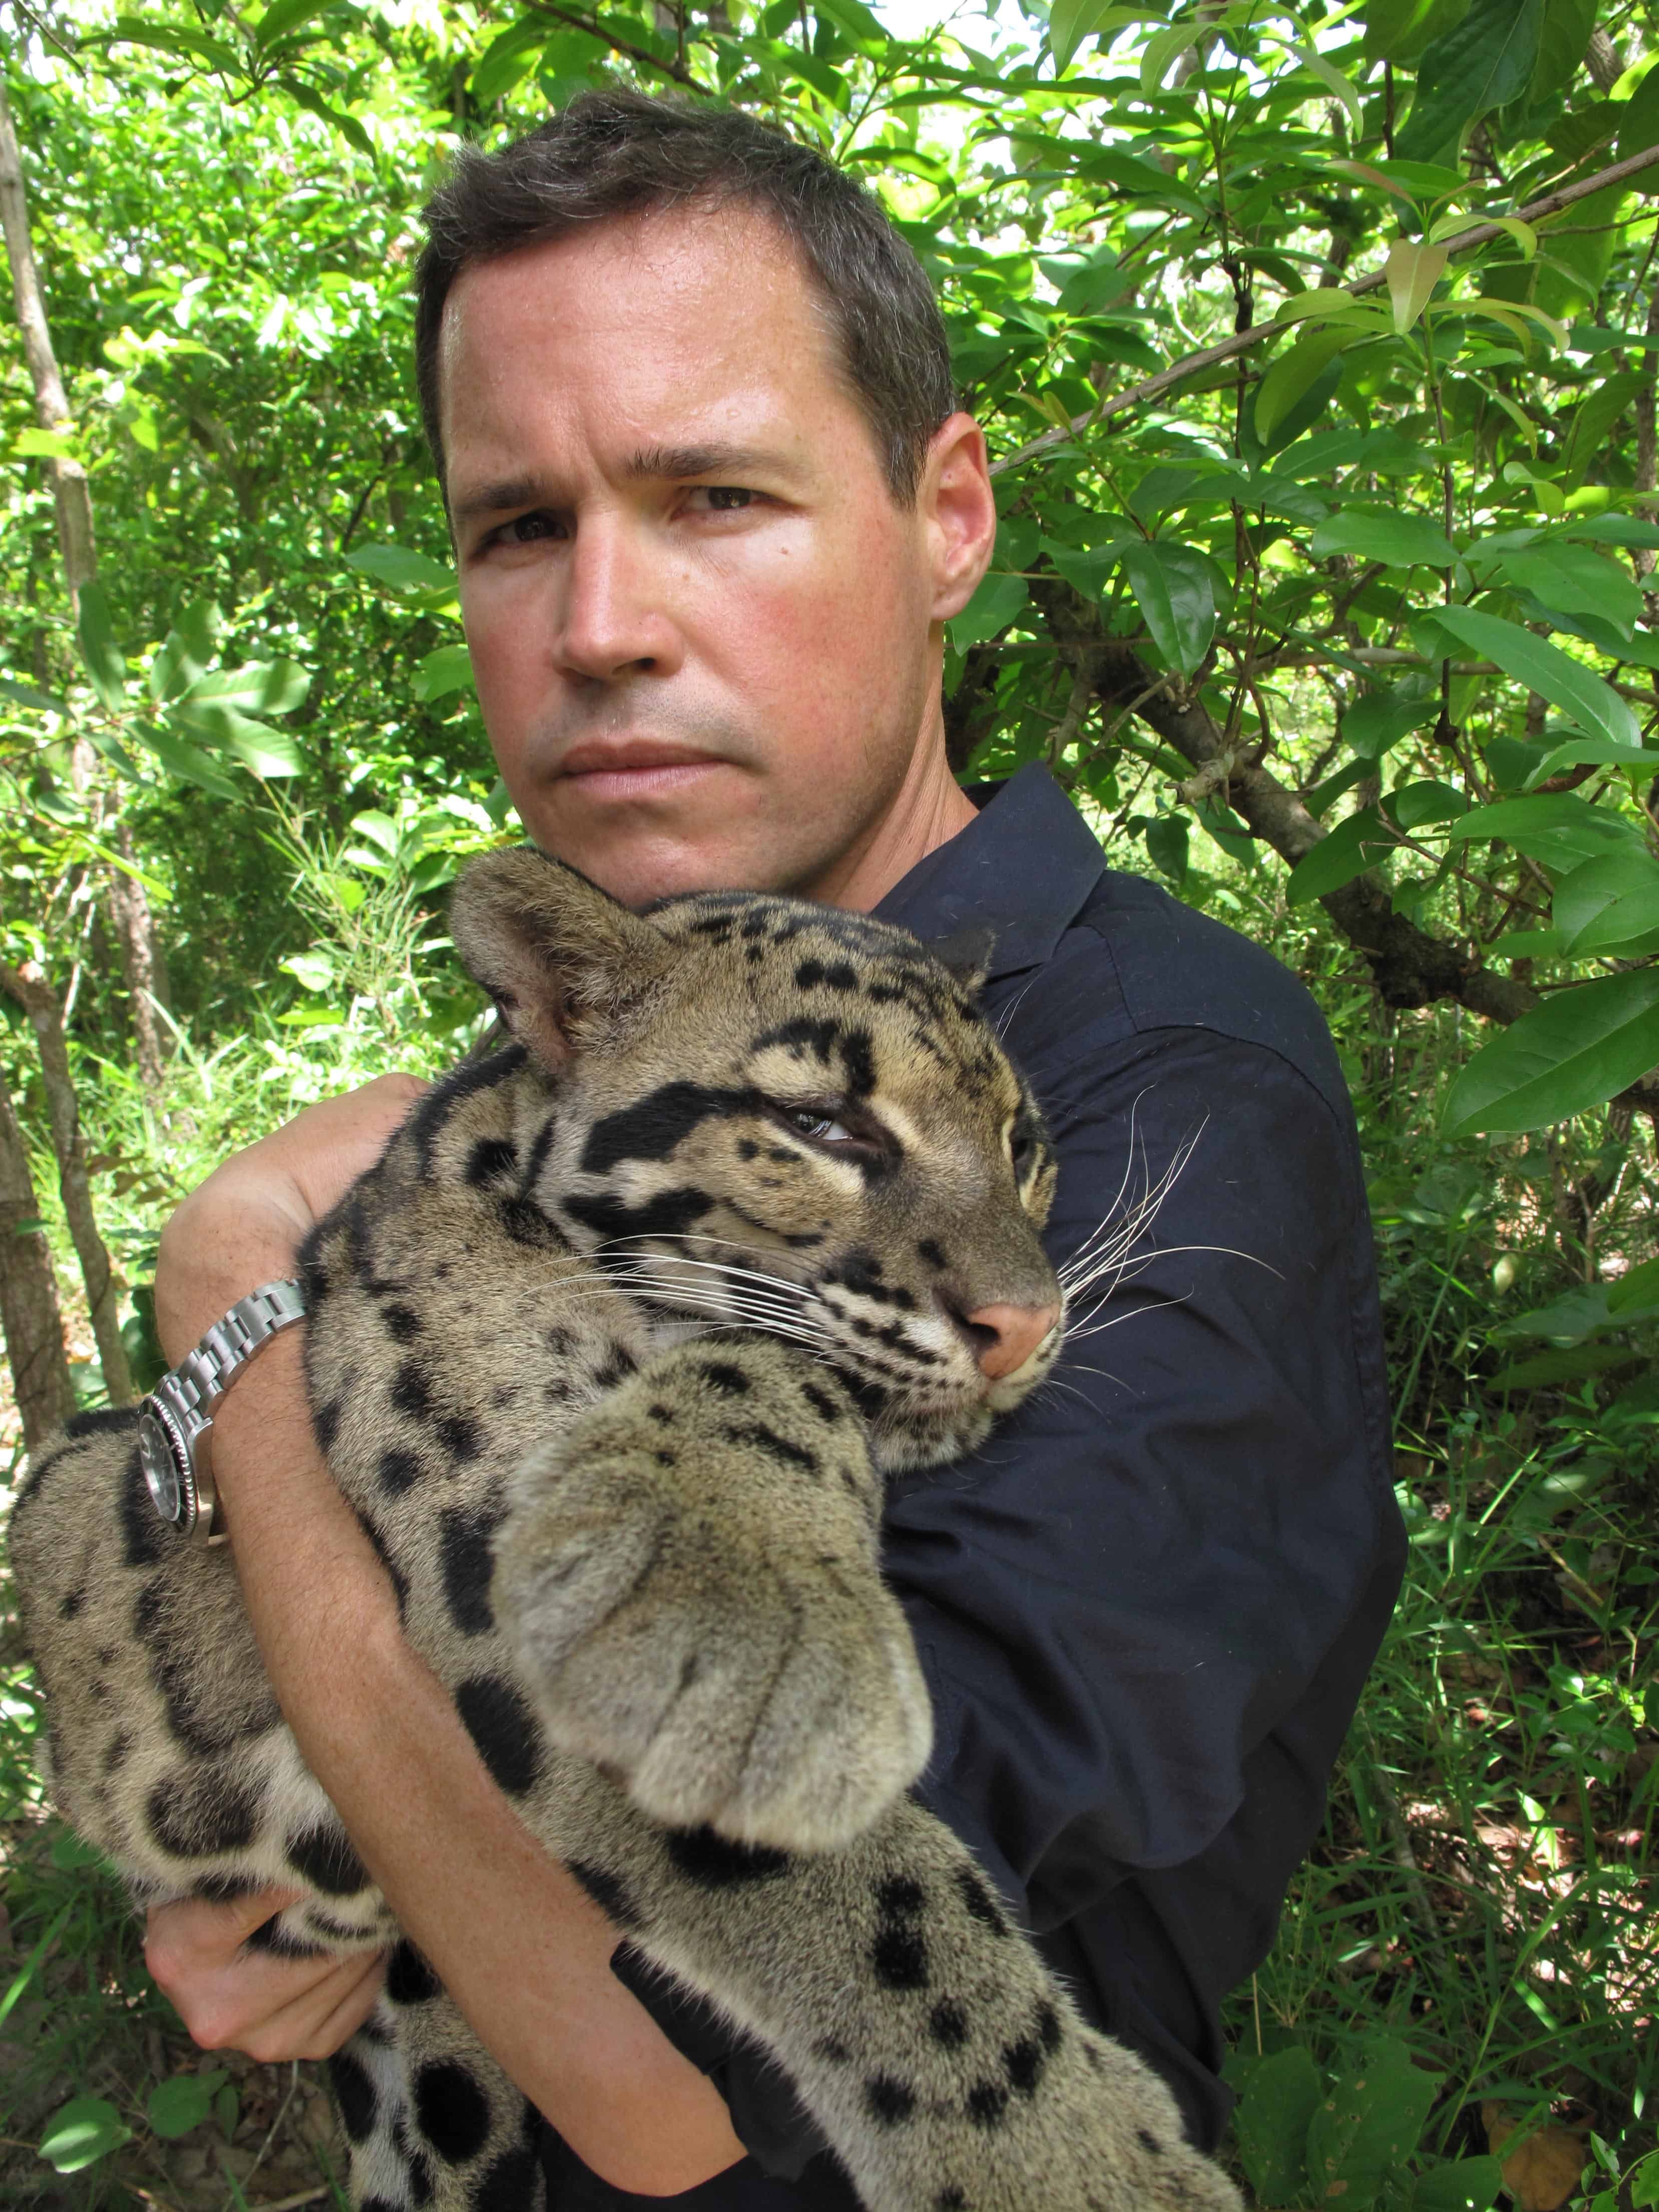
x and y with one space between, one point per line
614 152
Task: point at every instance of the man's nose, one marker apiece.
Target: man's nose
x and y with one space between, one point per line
1005 1337
615 618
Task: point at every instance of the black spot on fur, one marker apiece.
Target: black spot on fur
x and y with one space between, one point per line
461 1438
174 1667
663 1413
466 1540
719 1376
325 1423
899 1954
620 1364
669 1213
116 1752
72 1603
409 1979
426 1123
354 2092
947 2024
411 1393
525 1223
223 1888
980 1902
508 2184
987 2103
403 1324
839 975
792 1455
451 2110
399 1471
1050 2031
101 1422
491 1157
951 2200
325 1859
1023 2063
608 1892
272 1938
888 2099
932 1253
821 1402
1149 2142
498 1721
711 1862
655 1125
833 2050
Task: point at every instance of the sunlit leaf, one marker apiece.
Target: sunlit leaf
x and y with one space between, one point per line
82 2132
1581 1047
1377 533
1597 709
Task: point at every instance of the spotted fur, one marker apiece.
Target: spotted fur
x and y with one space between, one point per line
608 1353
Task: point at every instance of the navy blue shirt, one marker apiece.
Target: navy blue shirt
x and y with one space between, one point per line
1144 1607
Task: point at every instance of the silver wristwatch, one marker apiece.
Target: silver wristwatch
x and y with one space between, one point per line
175 1422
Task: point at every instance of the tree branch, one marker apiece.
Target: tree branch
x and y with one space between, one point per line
675 70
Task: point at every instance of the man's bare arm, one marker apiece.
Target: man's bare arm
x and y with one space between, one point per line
521 1949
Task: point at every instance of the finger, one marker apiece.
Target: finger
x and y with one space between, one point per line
315 2021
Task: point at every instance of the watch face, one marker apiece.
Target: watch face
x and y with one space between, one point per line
161 1454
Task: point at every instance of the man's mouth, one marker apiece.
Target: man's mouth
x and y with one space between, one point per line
633 767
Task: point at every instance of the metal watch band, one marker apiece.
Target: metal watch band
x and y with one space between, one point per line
204 1376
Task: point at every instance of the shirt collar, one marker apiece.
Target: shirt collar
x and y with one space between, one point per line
1022 870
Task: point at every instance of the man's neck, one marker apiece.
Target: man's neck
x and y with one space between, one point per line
930 809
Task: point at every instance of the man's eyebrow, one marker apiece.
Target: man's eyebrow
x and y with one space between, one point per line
498 498
672 462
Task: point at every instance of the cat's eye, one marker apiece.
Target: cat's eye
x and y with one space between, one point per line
810 1123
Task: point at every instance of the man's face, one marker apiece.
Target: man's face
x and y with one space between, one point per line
706 638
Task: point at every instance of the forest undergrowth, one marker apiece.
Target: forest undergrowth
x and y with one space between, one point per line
1482 1897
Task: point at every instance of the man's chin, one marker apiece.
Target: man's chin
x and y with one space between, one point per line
637 863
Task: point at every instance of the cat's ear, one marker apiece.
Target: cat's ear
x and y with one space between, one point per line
966 952
557 955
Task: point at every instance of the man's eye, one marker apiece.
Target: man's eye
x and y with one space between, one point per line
723 499
526 529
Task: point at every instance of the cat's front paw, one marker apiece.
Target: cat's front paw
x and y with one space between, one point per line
690 1575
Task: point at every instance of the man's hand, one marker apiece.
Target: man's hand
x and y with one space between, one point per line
233 1999
243 1226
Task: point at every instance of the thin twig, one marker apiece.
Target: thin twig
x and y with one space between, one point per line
639 54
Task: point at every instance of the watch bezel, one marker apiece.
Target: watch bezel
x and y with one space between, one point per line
155 1409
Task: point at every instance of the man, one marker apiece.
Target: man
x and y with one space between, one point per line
712 507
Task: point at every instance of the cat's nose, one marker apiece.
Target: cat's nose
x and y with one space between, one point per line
1005 1337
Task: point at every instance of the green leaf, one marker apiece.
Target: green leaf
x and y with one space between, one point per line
26 694
1597 412
1554 827
1467 2184
349 128
1598 711
1626 529
449 669
1607 905
1546 1368
173 2108
1575 578
34 443
1484 62
1579 1048
400 569
1644 2184
1413 271
1173 589
1399 30
1166 837
106 663
1414 804
1382 533
1637 1289
187 763
1562 42
268 687
284 16
1271 2124
1368 2126
1378 719
1294 375
988 613
82 2132
1356 844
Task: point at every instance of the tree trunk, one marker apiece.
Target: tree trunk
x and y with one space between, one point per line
136 929
39 1002
29 1313
69 478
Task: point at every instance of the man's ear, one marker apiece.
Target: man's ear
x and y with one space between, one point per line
553 951
966 952
960 512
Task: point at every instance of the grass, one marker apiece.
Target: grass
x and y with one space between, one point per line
1484 1887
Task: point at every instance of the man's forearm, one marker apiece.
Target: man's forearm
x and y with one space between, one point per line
520 1947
